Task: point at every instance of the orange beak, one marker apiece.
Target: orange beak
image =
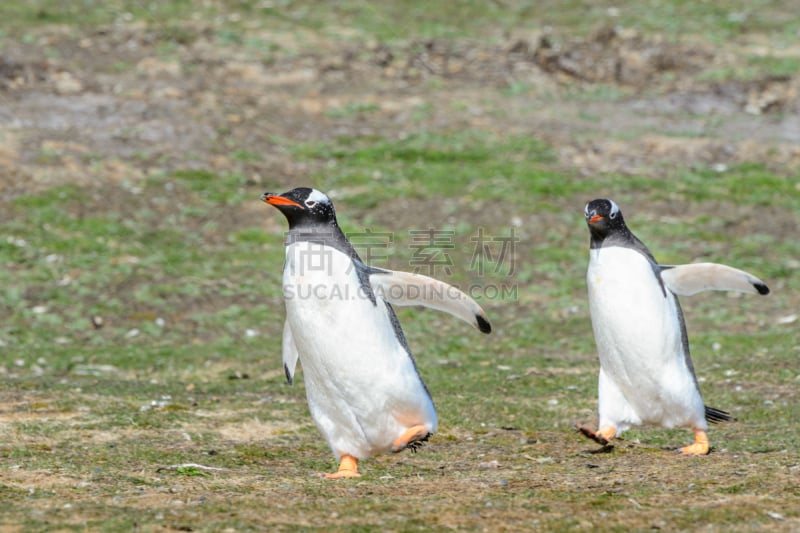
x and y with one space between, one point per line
274 199
595 218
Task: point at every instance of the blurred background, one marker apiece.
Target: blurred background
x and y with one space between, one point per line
140 301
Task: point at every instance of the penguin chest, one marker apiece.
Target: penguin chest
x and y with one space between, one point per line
636 325
334 321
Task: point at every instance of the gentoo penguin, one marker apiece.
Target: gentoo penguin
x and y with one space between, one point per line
362 384
646 372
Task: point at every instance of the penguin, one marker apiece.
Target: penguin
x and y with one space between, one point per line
363 388
646 371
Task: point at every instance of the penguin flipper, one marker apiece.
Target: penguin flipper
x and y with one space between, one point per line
685 280
290 354
405 288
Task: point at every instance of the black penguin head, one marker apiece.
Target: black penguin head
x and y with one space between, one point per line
303 207
603 217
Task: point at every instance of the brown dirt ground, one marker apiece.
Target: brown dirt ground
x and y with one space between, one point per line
110 99
109 110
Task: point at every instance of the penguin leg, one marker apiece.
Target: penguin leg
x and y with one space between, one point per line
613 410
412 438
601 436
348 467
700 446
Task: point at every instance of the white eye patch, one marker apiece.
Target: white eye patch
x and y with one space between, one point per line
614 209
316 197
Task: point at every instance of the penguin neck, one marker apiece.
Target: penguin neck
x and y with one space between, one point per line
328 234
620 236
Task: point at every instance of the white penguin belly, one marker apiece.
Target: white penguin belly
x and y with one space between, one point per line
362 386
638 337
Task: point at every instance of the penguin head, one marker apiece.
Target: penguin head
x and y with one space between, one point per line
303 207
603 217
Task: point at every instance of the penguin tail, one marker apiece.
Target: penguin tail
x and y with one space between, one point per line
716 416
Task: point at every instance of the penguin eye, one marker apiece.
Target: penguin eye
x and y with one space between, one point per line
613 214
310 203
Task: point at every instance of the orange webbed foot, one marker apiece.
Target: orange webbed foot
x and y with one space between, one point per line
411 438
700 445
601 436
348 468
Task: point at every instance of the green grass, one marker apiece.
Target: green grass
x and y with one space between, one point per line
414 20
141 317
90 12
756 67
515 169
163 396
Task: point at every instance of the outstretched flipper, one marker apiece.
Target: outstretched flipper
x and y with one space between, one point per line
405 288
290 355
685 280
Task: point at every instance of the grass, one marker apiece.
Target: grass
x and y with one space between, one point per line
140 317
101 411
756 68
392 21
